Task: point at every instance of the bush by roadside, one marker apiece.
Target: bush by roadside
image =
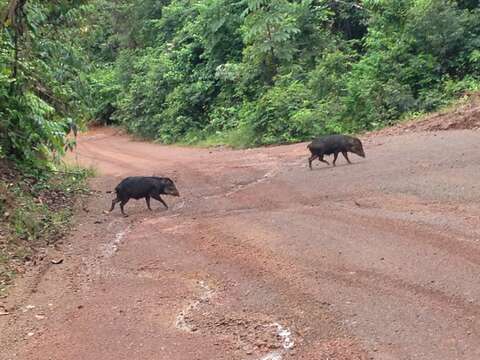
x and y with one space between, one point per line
35 212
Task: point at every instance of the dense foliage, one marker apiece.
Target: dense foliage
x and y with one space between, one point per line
261 71
34 212
43 85
45 93
244 72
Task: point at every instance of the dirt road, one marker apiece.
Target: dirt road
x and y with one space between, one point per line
262 259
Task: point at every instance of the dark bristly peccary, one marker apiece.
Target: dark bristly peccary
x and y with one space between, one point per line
334 144
138 187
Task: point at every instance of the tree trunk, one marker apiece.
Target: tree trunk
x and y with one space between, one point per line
271 63
14 17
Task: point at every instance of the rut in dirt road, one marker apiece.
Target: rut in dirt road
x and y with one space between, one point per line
263 259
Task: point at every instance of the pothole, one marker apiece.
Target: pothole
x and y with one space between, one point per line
252 335
182 320
255 336
272 356
284 336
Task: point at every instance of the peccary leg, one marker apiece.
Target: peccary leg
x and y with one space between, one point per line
157 197
320 158
310 159
147 199
114 202
122 204
345 155
335 158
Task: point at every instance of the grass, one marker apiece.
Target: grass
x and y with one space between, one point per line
35 213
239 138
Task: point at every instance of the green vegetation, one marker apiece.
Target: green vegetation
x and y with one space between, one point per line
241 72
44 94
254 72
237 72
35 211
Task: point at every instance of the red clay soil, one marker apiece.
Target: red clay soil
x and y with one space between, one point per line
462 117
262 259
